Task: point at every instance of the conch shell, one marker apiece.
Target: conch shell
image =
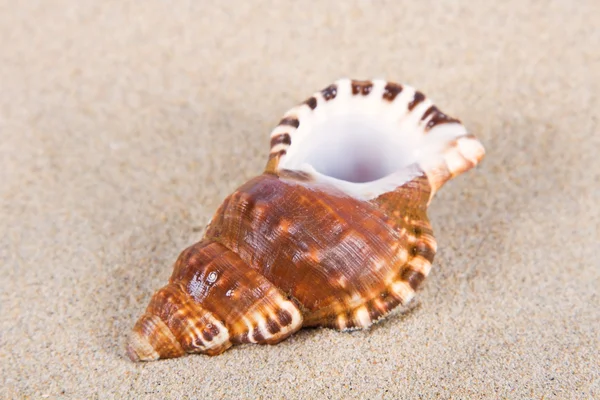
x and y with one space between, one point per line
334 233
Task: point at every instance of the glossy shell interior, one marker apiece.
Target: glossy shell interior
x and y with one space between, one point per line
370 137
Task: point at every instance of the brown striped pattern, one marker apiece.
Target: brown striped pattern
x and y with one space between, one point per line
391 90
290 121
329 92
417 99
361 87
311 102
283 138
436 117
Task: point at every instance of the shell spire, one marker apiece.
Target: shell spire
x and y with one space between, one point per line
334 233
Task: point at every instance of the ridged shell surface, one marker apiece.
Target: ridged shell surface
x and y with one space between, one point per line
334 233
372 262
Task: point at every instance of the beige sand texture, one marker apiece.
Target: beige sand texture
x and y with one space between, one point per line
124 125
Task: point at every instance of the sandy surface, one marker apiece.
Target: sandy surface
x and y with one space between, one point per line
124 124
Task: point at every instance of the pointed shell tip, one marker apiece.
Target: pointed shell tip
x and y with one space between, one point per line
131 353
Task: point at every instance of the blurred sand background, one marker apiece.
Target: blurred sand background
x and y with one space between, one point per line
124 124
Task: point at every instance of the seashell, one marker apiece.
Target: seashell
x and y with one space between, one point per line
334 233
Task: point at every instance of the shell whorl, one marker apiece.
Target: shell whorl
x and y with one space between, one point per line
335 232
346 261
188 314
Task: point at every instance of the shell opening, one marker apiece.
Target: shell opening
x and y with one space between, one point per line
357 148
358 137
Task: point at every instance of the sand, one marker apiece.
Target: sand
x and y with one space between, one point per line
123 125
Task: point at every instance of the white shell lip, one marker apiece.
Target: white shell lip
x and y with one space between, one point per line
369 137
